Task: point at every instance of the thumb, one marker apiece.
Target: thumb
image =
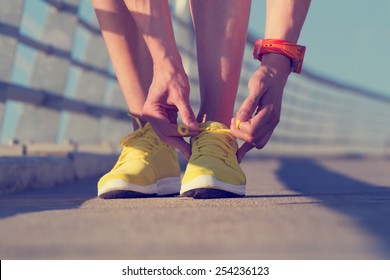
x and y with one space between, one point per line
187 115
247 109
256 91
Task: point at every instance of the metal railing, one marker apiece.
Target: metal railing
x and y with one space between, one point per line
76 100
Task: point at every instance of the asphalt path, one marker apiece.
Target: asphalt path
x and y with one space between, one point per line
295 208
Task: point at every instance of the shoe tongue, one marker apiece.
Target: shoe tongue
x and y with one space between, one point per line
215 125
214 139
136 139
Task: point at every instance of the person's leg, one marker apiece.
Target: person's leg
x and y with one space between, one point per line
128 52
221 27
146 166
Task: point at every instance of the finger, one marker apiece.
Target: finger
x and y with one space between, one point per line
164 129
188 116
266 116
161 119
250 104
264 140
254 131
247 109
246 147
249 131
235 128
172 115
169 133
180 144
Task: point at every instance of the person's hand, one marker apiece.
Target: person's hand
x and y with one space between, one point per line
260 112
168 95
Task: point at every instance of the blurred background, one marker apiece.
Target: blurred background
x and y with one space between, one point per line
58 90
319 189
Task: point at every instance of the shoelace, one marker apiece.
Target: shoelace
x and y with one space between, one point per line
207 143
213 142
184 130
139 143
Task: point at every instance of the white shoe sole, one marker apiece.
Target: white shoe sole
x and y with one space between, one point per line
119 188
206 186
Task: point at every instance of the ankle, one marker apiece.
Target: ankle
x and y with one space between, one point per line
202 117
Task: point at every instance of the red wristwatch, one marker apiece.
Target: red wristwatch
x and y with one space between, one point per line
295 53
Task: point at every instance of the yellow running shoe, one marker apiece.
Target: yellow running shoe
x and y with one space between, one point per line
213 170
146 167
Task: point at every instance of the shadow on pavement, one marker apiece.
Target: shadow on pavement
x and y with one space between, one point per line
368 205
66 196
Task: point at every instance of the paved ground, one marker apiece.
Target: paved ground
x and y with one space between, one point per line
296 208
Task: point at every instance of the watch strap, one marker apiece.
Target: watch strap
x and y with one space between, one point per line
294 52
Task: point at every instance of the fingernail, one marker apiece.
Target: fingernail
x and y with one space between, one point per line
238 124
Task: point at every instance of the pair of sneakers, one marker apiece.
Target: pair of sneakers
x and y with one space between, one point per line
149 167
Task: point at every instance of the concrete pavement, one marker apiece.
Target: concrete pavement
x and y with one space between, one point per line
296 208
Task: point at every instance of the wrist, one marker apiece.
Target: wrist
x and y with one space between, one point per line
163 52
166 58
277 63
167 64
